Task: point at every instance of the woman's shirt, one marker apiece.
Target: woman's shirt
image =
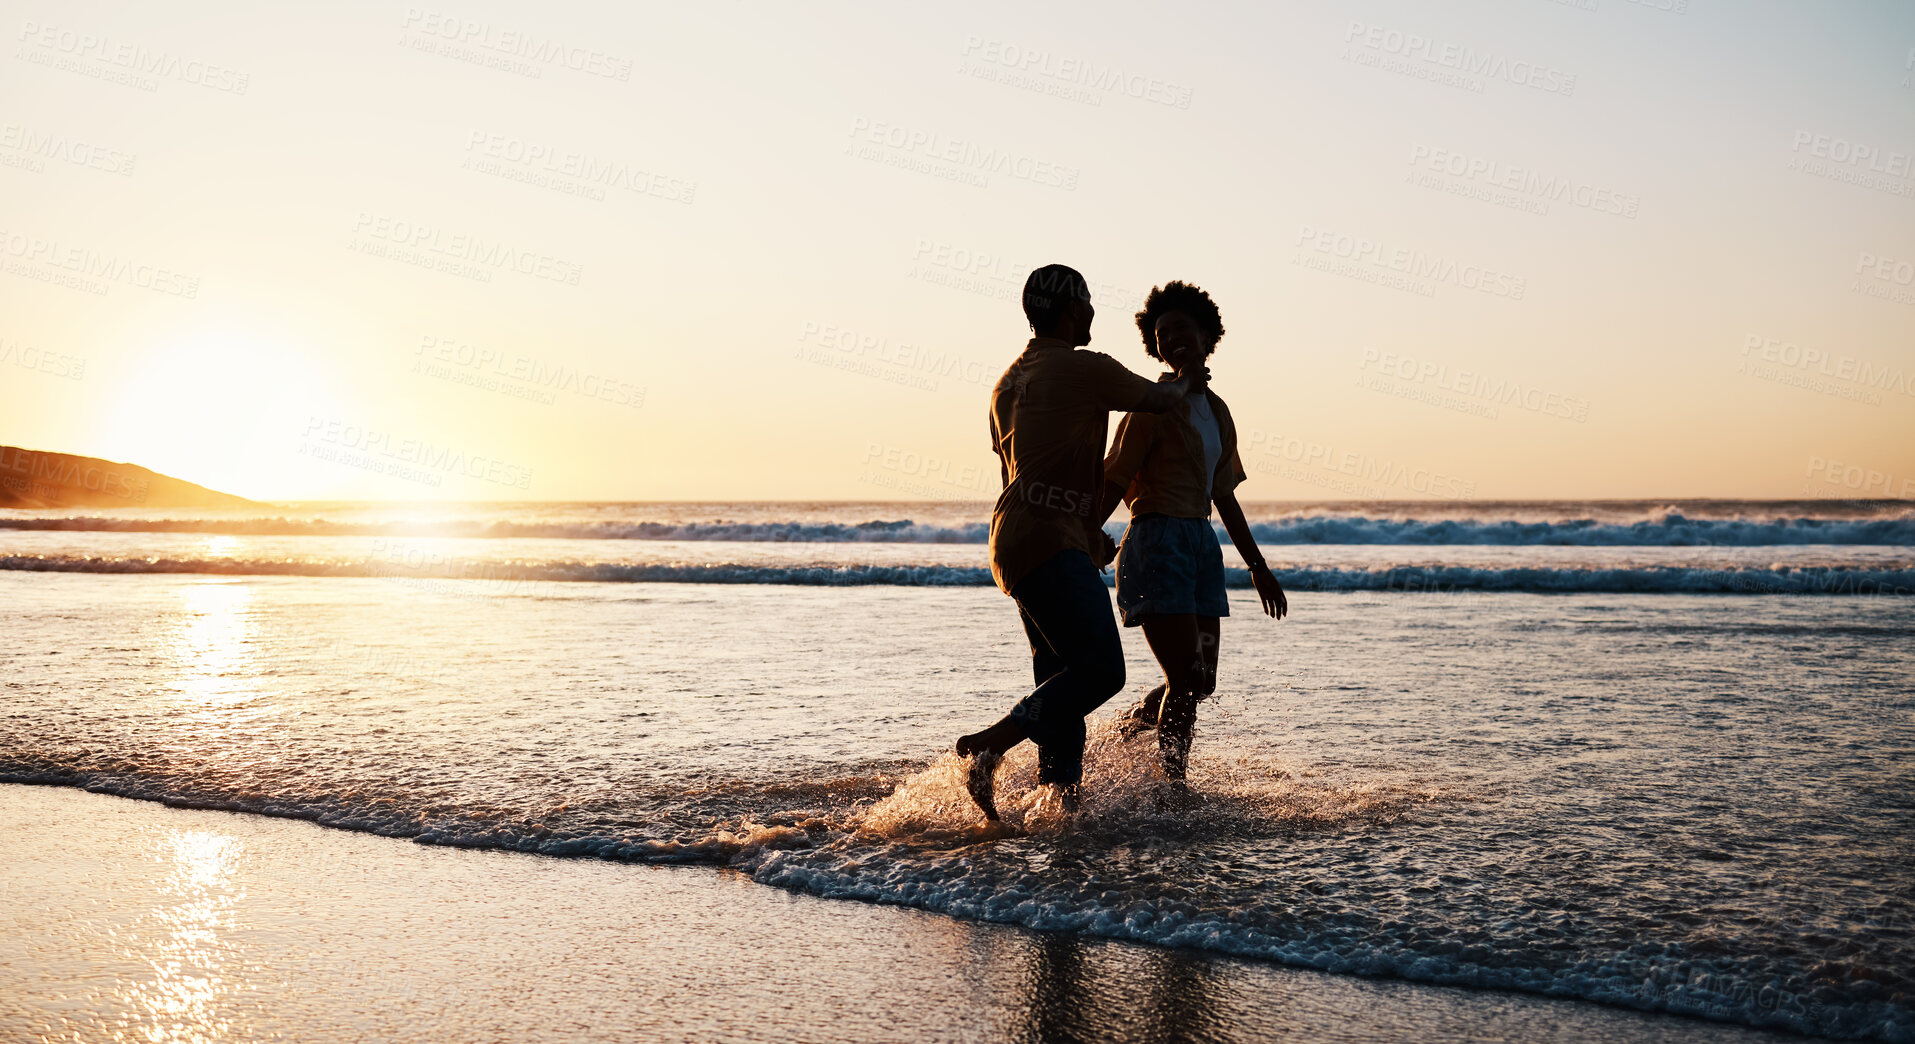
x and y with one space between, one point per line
1205 421
1165 463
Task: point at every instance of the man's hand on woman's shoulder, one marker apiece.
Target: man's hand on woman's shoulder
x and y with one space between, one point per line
1166 394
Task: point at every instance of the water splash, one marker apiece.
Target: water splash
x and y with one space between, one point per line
1125 793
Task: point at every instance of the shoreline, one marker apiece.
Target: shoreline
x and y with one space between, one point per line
135 916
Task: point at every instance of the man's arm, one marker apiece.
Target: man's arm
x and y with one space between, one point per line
1268 589
1123 391
1165 394
1135 433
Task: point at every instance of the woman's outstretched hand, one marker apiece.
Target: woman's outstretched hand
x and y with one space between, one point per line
1268 589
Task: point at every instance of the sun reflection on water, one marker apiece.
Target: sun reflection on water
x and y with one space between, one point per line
187 940
211 644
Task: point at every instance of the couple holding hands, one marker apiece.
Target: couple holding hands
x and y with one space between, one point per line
1175 455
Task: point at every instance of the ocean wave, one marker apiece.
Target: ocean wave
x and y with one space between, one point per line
1667 528
923 845
902 531
504 574
502 577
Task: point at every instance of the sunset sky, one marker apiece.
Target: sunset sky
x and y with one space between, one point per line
1515 249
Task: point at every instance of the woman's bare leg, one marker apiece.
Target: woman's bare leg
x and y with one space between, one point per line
1209 635
1178 643
1143 717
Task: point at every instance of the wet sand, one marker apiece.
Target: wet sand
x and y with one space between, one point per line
131 920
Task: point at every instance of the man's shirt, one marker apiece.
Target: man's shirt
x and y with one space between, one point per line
1050 414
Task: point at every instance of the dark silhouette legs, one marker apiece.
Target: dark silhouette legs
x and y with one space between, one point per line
1077 662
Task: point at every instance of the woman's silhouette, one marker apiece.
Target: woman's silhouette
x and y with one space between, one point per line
1170 468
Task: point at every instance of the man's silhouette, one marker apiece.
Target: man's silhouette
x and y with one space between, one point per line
1050 415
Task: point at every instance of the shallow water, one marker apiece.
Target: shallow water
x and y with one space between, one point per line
1685 803
130 921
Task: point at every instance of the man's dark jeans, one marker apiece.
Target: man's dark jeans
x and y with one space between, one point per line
1076 656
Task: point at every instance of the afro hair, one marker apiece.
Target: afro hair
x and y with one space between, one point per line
1179 296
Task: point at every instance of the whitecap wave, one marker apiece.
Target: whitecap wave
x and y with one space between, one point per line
1437 579
1667 528
902 531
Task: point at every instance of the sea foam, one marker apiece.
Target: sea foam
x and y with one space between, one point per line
1667 528
1648 579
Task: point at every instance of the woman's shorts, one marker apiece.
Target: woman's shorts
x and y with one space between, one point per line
1170 565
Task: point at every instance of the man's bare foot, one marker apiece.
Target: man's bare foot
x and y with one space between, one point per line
997 739
986 749
980 780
